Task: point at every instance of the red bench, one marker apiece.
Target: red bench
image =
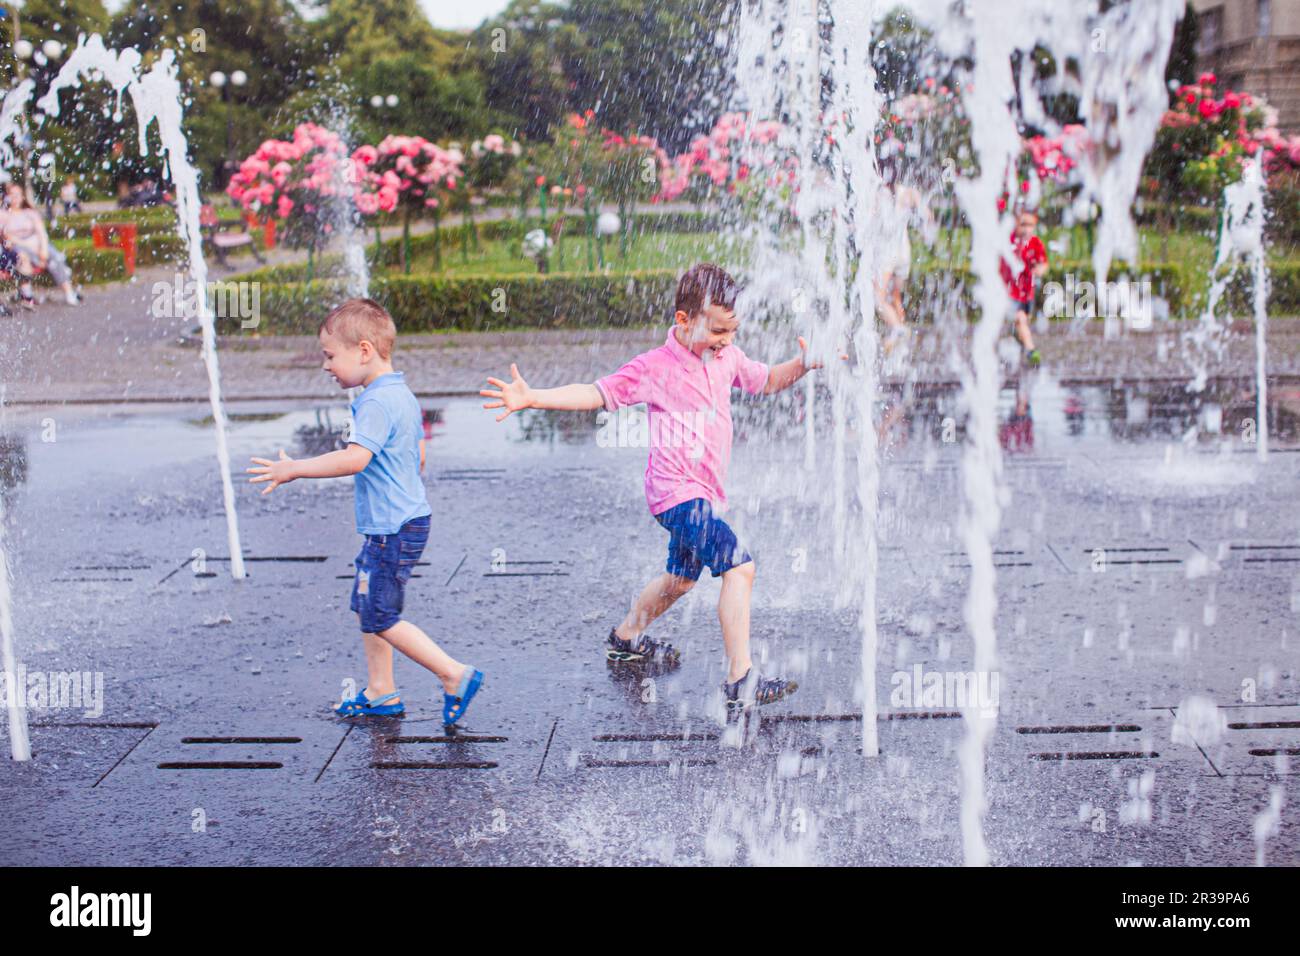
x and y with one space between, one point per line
267 226
116 235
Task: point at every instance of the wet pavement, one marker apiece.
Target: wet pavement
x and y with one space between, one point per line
1148 562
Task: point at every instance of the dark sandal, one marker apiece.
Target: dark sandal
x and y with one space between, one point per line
620 651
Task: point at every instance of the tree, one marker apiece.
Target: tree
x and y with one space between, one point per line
266 39
389 48
656 69
59 148
523 56
1181 68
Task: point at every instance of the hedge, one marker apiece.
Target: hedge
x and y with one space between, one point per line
90 265
148 221
480 303
1167 281
634 299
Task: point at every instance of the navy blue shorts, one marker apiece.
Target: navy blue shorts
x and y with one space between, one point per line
698 538
384 565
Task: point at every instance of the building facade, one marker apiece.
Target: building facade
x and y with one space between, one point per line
1254 45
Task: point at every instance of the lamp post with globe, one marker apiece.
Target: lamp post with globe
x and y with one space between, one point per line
42 59
235 81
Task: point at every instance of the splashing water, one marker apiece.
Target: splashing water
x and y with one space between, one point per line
1268 822
19 744
786 53
808 65
1241 242
355 267
156 95
11 118
1121 56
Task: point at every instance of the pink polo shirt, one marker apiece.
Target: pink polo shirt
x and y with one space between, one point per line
689 402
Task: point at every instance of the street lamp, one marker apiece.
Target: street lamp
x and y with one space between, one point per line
379 100
25 50
236 79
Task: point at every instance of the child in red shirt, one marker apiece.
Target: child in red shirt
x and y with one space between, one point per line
1033 256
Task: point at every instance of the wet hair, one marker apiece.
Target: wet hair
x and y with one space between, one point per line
358 320
704 285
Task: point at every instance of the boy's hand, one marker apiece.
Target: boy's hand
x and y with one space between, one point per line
513 396
803 356
276 472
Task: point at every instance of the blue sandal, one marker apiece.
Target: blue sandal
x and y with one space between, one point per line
359 706
454 705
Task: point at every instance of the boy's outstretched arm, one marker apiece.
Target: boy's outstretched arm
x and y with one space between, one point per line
335 464
782 376
516 395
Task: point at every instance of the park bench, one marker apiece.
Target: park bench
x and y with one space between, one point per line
116 235
223 240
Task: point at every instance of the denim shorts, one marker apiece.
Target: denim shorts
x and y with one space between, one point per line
384 565
698 538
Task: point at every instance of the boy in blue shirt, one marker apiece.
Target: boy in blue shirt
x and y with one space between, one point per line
386 454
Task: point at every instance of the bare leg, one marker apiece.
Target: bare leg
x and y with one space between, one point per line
1022 331
25 280
895 299
889 303
419 647
379 667
733 615
659 595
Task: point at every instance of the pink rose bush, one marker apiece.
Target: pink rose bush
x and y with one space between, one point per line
1206 137
302 181
491 160
1053 157
404 171
740 157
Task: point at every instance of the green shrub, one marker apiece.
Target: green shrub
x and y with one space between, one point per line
955 288
636 299
90 265
482 303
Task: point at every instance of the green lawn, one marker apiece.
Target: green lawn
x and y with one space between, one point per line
503 257
1154 246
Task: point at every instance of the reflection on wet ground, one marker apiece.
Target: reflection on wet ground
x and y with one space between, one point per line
1124 411
1035 412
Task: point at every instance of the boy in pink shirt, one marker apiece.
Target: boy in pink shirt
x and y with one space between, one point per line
686 384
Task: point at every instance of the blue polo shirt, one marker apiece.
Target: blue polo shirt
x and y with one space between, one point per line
386 420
